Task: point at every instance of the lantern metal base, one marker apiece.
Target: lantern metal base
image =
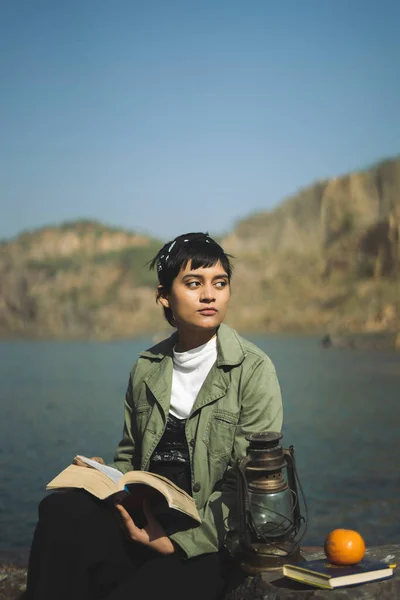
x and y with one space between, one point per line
267 557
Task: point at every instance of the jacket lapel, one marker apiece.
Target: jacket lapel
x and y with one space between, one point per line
230 354
159 382
213 388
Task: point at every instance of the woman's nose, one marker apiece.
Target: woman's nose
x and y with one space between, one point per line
207 293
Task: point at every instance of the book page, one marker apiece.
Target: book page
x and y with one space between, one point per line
112 473
93 481
103 481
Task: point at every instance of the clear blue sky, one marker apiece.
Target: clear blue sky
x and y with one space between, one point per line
166 116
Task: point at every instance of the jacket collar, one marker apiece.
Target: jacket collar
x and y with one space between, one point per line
159 378
230 348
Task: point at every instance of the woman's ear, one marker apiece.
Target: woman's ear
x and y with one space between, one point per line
162 298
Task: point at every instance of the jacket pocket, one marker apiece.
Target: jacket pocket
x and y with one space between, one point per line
220 434
141 416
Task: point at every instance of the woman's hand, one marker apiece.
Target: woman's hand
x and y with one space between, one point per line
80 463
152 535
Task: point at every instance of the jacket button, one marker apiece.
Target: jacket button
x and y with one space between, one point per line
196 487
192 443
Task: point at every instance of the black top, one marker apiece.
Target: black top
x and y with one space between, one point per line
171 456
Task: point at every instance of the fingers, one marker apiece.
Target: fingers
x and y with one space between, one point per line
128 522
77 461
126 517
151 535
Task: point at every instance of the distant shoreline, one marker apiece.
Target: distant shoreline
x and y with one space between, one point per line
379 340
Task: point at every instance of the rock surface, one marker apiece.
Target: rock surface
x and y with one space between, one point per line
272 586
261 587
12 582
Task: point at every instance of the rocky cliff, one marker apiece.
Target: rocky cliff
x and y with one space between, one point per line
327 259
80 280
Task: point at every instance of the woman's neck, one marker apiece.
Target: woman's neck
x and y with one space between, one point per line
187 340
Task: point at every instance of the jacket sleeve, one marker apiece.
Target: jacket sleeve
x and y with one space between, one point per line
261 410
124 457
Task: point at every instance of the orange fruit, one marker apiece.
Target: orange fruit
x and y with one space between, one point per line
344 547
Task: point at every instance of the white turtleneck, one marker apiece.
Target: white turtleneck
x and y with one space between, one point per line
189 372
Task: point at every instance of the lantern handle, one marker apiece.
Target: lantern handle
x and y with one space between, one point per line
294 482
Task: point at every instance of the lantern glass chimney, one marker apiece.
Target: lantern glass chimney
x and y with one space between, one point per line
272 513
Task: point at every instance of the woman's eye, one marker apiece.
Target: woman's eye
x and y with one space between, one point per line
192 284
221 284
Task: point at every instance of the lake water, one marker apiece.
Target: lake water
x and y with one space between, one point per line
58 399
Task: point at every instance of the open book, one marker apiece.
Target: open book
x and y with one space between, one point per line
106 482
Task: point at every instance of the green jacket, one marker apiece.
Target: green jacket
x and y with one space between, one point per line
240 395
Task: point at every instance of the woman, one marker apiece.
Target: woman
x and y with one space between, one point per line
190 402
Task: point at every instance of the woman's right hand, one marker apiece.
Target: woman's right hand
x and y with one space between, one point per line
151 535
77 461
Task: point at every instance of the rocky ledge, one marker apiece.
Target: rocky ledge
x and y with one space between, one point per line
272 586
268 586
12 582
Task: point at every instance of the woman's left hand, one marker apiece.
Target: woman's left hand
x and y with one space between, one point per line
152 535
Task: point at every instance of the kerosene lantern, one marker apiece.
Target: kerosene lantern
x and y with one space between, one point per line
270 523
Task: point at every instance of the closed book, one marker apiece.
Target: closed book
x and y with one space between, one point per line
321 573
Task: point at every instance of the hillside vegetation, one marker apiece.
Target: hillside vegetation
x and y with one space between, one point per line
327 259
78 280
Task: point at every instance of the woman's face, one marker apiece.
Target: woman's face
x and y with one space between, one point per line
199 297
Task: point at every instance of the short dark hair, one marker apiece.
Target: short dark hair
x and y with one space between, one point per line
199 249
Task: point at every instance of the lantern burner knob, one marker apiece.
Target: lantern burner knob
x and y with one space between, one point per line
265 440
264 451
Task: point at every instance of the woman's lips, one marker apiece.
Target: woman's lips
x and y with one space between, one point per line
208 311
